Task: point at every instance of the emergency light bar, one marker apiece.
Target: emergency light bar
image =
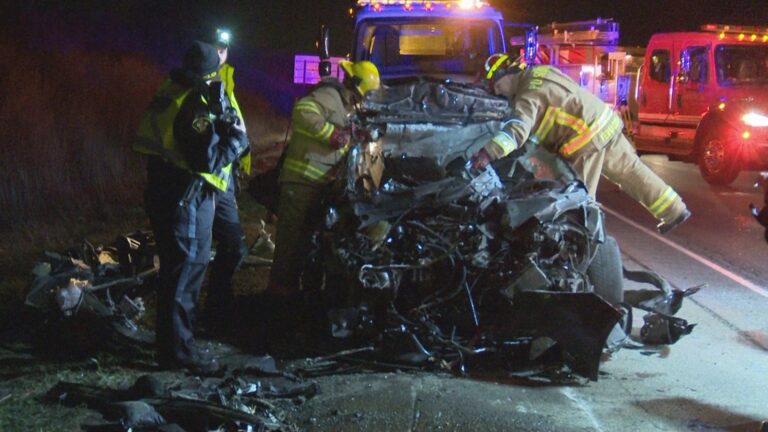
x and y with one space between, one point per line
741 33
427 4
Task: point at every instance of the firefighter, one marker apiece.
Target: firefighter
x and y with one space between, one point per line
320 139
550 109
190 152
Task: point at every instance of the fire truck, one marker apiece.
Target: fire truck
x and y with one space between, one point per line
703 97
448 39
697 96
451 39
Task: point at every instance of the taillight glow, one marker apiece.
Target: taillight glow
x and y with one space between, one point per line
741 36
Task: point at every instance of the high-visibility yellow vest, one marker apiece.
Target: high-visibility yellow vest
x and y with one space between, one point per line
227 74
155 136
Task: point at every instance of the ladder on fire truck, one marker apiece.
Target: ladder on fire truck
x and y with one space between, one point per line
588 51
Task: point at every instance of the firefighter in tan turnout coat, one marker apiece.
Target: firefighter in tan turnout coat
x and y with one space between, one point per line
320 139
551 110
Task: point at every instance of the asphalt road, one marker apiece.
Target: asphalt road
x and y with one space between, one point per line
715 379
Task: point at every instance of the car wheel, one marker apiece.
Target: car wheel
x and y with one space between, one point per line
717 163
605 272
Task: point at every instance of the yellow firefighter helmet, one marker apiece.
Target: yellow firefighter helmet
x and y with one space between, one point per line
499 65
364 75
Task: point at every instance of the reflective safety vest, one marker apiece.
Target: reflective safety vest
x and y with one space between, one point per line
156 137
227 74
310 159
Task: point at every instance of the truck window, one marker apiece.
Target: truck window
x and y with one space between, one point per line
660 69
741 64
403 47
698 67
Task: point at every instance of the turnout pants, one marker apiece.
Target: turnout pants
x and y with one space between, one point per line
298 215
619 163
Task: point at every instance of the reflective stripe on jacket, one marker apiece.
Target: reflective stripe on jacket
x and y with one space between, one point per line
310 159
155 136
227 76
552 110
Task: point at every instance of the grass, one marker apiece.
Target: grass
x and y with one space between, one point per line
67 173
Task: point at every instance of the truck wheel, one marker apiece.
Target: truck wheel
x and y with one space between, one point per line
716 163
605 272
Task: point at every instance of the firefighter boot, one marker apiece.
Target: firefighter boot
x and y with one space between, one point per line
664 227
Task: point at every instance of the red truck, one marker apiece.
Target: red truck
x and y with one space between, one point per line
703 97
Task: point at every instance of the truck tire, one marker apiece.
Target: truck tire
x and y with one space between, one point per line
717 164
606 274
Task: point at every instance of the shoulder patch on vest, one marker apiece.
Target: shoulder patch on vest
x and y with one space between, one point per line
201 124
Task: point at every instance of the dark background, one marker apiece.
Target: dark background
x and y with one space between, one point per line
268 33
162 27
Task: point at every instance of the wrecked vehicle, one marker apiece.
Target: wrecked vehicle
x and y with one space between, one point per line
90 295
433 263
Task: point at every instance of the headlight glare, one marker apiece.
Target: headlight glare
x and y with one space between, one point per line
755 120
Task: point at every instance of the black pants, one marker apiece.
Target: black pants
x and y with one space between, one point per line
230 251
183 227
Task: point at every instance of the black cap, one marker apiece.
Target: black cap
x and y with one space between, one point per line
202 59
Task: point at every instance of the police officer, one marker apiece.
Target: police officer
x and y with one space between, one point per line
320 139
228 232
551 110
189 152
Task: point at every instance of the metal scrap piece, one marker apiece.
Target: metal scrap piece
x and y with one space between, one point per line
578 322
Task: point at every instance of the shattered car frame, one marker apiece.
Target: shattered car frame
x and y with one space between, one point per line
437 264
92 295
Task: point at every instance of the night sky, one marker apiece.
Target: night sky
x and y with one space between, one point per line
292 25
267 33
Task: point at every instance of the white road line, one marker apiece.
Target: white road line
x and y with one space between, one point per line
716 267
583 406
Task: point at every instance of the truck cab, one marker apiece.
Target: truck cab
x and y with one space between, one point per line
436 39
703 97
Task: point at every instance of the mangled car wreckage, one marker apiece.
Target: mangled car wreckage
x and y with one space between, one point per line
434 263
421 260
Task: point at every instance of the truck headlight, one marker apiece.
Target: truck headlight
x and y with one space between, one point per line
755 120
